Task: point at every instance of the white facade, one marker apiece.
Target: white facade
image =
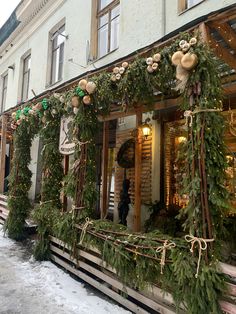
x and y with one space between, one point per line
142 22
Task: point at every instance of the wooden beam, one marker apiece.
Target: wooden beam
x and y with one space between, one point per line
105 151
138 172
3 152
221 52
65 170
226 32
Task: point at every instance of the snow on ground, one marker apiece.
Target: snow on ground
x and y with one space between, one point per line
28 287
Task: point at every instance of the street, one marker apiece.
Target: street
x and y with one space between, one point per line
29 287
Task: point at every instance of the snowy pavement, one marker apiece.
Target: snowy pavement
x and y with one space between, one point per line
28 287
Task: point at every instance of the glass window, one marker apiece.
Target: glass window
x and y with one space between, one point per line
108 26
26 78
191 3
4 91
58 40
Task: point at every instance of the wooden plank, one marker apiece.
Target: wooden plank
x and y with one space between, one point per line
228 307
221 52
118 285
104 200
228 269
3 152
101 287
138 172
226 32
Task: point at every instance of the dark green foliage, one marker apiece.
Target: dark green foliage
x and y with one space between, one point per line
20 180
48 210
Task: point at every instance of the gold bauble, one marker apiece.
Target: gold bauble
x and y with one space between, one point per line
150 69
87 100
91 87
116 70
156 57
176 58
125 64
82 84
189 61
75 101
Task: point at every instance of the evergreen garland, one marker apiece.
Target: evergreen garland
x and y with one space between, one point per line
20 180
48 211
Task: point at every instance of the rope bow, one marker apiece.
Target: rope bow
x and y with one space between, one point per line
162 249
84 230
202 246
188 114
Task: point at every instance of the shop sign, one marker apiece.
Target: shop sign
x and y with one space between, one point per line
66 144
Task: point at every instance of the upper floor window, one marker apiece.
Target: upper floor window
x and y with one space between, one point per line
108 20
26 78
58 43
4 91
187 4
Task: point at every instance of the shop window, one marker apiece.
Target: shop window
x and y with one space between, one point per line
26 77
174 163
57 54
4 91
105 27
187 4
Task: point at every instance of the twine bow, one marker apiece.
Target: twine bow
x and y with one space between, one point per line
162 249
202 246
188 114
84 229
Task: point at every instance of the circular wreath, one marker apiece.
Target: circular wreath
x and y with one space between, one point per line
126 154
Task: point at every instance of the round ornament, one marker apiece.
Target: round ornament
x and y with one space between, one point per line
182 43
125 64
186 47
113 78
38 106
13 115
116 70
149 61
118 76
75 101
189 61
150 69
155 66
91 87
156 57
87 100
122 70
176 58
193 41
82 84
75 110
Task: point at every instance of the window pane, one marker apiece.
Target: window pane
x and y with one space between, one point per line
104 3
4 91
103 41
115 12
55 65
103 20
114 33
191 3
61 60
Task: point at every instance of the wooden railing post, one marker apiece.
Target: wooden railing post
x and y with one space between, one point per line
138 172
105 149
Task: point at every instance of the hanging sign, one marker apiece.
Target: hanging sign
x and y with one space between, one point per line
66 144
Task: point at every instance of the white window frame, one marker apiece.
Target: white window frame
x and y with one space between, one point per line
25 77
4 85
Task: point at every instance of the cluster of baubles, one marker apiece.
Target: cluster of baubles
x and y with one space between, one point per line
23 114
83 93
185 61
117 72
182 57
152 62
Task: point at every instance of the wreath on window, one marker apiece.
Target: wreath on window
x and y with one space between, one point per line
126 154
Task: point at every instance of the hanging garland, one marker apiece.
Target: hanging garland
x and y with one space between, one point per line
186 68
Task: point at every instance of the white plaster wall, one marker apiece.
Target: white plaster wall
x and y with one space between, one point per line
174 20
141 23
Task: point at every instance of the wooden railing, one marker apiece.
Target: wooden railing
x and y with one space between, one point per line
90 268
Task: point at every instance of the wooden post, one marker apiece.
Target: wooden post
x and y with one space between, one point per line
66 169
104 200
3 152
138 172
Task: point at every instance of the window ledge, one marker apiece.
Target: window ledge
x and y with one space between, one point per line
193 6
100 58
53 84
